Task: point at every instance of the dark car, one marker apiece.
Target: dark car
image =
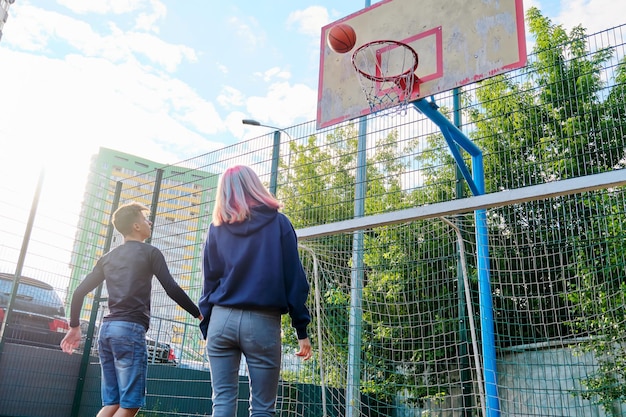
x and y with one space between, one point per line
37 317
160 352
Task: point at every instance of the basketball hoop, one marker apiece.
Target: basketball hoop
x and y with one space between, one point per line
386 73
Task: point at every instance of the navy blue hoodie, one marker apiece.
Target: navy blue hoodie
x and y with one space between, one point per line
255 264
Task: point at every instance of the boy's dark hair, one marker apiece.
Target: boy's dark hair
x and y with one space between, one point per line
127 215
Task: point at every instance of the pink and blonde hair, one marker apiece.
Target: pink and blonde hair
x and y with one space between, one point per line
239 189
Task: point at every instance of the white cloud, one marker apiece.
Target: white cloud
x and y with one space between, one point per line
222 68
273 73
234 125
310 20
230 96
283 104
250 33
105 6
202 115
189 107
158 51
35 29
99 90
79 104
594 15
148 21
531 3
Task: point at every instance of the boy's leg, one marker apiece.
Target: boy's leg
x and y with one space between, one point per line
127 342
108 411
108 381
116 411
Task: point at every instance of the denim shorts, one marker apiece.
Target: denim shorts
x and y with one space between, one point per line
124 363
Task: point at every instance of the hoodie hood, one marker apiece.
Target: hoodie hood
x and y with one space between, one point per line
259 217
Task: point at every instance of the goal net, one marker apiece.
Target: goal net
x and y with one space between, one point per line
416 353
396 324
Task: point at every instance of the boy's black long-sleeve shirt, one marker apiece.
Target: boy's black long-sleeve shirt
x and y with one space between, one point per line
128 271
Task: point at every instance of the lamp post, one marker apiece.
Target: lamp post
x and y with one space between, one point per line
275 151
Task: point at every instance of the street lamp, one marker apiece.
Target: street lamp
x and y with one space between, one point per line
275 150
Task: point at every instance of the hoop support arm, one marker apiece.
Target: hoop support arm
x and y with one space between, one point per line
453 137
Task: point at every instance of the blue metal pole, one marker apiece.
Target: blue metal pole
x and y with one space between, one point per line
353 395
476 182
353 377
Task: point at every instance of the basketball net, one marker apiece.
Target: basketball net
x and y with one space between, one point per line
386 73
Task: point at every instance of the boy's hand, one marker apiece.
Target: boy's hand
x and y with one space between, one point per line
71 340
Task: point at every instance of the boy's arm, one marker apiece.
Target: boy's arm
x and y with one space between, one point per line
72 339
91 281
179 295
171 287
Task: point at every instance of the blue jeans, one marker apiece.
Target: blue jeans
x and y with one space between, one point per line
124 363
256 335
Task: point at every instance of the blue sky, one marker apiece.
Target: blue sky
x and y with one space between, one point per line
170 79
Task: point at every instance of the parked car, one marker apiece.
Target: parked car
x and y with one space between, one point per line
37 316
160 352
84 329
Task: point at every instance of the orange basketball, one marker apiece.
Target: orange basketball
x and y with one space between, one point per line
341 38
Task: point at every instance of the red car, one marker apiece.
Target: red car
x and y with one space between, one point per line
160 352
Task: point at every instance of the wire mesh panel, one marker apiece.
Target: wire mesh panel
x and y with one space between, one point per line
559 297
414 356
559 314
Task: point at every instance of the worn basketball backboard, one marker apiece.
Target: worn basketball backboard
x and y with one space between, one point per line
458 42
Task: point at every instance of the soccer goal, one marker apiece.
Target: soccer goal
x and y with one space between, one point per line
397 326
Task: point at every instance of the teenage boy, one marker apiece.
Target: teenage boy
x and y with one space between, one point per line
127 271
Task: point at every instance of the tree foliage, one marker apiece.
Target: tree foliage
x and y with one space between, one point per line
559 120
319 187
562 117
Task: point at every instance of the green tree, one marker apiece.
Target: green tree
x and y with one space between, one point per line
557 120
401 276
599 300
